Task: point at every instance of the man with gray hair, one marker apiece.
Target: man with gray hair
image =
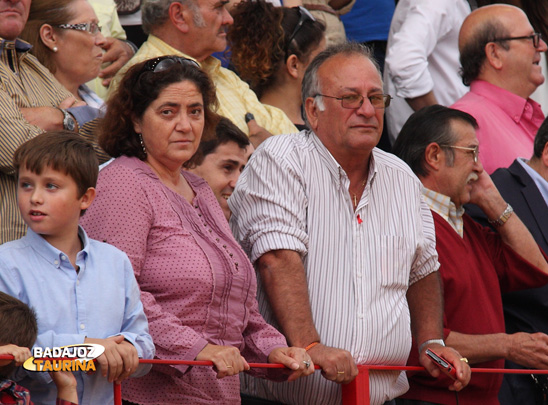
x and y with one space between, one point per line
476 264
195 29
343 244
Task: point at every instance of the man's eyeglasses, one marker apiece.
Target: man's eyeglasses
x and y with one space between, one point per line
535 37
165 62
304 15
354 101
474 150
92 27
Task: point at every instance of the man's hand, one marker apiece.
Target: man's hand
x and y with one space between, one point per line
294 358
257 134
529 350
49 118
118 52
485 195
119 360
226 359
20 354
452 356
337 364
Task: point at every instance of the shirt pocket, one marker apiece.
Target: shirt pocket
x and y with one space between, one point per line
395 261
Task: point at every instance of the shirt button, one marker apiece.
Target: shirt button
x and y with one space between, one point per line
56 262
359 275
63 257
360 315
82 326
77 282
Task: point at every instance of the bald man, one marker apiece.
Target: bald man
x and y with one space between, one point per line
500 54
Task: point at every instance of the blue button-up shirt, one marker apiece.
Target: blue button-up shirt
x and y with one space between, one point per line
101 300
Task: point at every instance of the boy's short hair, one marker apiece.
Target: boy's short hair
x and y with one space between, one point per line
225 131
17 326
63 151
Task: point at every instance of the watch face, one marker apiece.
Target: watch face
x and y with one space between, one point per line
69 123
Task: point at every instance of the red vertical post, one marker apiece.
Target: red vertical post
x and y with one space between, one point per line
357 392
117 394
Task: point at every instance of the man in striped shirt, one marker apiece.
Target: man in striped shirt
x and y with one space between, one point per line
31 101
344 245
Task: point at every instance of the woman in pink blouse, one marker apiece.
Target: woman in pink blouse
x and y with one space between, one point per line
197 285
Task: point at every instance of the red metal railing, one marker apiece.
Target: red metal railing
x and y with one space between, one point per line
355 393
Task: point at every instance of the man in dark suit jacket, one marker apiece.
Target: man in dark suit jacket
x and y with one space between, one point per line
524 185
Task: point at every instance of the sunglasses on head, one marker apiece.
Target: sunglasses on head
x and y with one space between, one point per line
304 16
165 62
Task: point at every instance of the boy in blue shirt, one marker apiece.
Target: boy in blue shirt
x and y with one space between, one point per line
83 291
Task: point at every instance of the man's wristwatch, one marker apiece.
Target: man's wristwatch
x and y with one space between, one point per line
68 121
503 218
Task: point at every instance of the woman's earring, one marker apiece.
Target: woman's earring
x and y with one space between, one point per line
55 49
142 144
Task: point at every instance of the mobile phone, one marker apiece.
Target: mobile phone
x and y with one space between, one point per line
445 367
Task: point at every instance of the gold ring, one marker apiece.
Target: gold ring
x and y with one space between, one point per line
228 366
464 359
340 372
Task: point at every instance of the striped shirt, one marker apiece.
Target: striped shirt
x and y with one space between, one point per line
233 94
294 195
24 83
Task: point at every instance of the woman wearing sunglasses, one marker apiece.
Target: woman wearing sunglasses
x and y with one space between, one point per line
66 38
197 286
273 60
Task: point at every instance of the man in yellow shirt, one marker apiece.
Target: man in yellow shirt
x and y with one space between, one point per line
195 29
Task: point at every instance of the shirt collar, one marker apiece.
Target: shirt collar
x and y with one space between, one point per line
50 253
209 64
19 45
540 181
514 106
443 206
336 170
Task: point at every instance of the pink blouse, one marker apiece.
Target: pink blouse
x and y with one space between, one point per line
197 284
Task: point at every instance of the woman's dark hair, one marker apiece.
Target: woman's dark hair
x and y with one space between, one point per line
137 90
259 40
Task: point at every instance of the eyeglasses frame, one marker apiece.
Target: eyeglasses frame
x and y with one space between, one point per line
386 98
536 37
84 27
475 150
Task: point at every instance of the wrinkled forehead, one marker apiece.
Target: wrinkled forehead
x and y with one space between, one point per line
349 71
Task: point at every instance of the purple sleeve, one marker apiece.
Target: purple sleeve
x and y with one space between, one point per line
122 215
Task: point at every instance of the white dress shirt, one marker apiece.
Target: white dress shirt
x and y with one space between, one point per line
422 55
359 264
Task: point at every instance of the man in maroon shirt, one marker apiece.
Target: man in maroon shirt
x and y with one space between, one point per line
476 264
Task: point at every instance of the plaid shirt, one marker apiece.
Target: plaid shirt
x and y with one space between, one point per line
12 393
442 205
